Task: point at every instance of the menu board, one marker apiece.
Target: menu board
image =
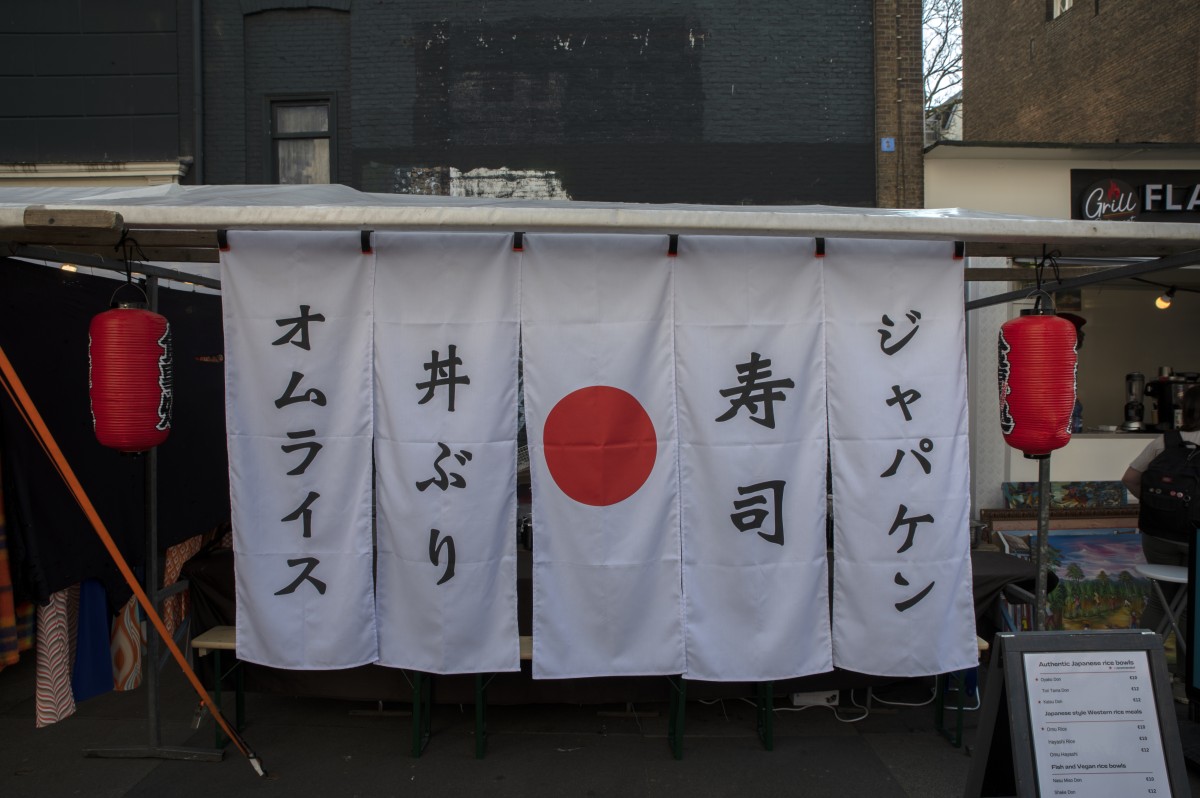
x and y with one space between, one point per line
1087 713
1094 727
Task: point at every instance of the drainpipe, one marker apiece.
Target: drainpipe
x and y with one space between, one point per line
197 93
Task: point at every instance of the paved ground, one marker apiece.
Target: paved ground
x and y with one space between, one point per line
341 748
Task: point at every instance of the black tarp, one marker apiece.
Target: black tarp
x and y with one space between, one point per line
44 318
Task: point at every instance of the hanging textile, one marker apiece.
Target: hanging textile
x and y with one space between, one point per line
9 650
53 699
297 312
91 673
446 348
750 362
600 414
26 613
902 602
174 610
126 644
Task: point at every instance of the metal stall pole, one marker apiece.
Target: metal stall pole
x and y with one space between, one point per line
1043 546
152 663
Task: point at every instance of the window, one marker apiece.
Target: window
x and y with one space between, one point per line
1058 7
302 141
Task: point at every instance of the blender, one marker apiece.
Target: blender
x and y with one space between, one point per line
1135 387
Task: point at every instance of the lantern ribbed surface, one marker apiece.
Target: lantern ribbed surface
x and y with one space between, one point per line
1037 362
130 363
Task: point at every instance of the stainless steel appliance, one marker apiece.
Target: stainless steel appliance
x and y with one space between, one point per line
1167 392
1135 411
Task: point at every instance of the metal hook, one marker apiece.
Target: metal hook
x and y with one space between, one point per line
1041 294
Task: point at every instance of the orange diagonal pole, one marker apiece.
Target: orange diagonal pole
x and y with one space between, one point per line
20 397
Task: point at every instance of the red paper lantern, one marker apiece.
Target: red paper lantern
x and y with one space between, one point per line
1037 382
130 362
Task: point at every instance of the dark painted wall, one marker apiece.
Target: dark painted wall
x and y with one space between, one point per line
693 101
88 81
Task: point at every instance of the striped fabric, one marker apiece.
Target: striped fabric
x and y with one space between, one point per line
56 642
175 608
26 613
127 648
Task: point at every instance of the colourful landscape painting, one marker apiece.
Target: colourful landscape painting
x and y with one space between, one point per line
1098 586
1066 495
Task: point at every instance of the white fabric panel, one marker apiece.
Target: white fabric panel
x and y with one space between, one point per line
900 535
599 403
303 602
756 594
434 291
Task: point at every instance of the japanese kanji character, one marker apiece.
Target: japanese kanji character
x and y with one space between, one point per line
903 398
885 334
442 481
1003 370
926 446
748 519
309 564
435 550
912 526
909 602
443 372
312 446
166 395
755 388
299 325
304 512
290 398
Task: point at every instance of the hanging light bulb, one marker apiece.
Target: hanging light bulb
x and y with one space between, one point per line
1164 301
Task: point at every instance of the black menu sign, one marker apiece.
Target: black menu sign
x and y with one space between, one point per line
1078 713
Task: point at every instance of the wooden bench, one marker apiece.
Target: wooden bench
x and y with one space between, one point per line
224 638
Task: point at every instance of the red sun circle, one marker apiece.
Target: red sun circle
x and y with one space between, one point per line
600 445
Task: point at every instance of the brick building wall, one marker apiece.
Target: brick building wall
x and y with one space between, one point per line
780 102
88 82
1103 71
899 104
280 44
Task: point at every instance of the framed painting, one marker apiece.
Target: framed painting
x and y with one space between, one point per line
1095 555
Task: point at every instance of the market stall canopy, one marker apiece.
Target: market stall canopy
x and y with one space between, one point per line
179 224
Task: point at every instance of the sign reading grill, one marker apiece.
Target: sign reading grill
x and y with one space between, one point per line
1139 195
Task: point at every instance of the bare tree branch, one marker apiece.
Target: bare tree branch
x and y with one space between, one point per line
942 26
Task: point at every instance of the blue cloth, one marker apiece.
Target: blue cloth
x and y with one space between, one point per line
92 674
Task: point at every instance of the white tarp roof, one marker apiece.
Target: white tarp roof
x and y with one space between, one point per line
176 227
335 206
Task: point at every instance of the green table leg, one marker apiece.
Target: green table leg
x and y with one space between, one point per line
942 684
421 724
766 714
675 721
240 696
480 715
217 676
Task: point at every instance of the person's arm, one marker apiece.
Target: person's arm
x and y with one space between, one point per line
1133 481
1133 475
